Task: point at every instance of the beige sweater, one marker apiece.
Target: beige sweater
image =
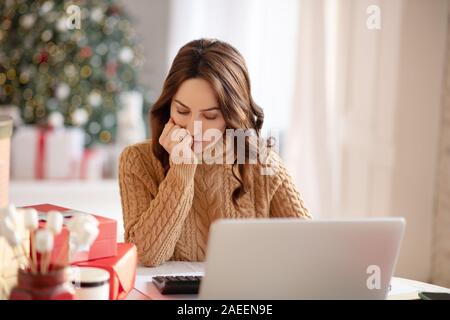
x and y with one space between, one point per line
168 217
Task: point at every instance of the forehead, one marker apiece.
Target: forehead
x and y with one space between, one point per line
196 93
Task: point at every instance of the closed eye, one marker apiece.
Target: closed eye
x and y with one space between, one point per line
182 112
210 117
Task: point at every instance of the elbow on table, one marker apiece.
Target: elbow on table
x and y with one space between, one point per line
146 256
150 261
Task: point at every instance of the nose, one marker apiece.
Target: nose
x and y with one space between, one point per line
195 128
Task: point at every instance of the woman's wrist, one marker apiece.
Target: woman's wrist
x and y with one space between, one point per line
177 160
183 169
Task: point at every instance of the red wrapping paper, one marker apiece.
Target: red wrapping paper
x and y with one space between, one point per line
104 246
121 268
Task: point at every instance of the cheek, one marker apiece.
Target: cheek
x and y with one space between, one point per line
221 125
179 119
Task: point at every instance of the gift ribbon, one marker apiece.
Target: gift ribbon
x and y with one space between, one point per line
40 156
87 155
40 153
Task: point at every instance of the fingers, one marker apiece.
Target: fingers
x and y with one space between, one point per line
182 151
172 135
176 134
163 138
187 139
169 125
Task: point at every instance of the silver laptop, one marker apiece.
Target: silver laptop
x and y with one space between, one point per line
290 258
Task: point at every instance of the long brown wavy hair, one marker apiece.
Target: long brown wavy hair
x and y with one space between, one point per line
224 68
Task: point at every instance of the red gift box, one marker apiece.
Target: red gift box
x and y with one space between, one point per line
104 246
121 268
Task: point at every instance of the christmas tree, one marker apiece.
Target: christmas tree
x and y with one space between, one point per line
67 62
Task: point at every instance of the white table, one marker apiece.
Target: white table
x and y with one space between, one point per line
401 289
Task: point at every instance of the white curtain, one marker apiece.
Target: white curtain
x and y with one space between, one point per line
365 118
340 145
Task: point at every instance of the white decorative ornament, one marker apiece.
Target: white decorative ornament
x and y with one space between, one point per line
126 55
86 236
31 218
27 21
46 35
44 241
54 221
80 117
76 222
97 14
95 98
55 119
83 231
62 91
61 24
46 7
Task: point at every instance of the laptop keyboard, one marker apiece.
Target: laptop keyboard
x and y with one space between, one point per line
177 284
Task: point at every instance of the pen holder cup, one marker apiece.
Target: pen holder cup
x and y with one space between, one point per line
54 285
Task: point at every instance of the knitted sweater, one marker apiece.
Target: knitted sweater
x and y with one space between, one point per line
168 216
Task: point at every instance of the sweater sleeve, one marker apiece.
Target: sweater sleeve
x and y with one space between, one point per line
286 200
154 214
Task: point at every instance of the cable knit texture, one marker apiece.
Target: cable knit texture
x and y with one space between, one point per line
168 216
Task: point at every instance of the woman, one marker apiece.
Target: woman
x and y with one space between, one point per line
175 185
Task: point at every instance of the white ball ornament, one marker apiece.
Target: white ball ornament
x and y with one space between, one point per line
80 117
61 24
44 241
27 21
83 231
95 98
46 7
31 218
97 14
86 236
54 221
126 55
62 91
55 119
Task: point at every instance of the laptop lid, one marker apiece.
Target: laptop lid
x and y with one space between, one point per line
291 258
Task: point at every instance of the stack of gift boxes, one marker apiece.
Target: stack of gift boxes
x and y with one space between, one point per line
39 153
119 259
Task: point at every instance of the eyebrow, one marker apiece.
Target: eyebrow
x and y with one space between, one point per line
207 109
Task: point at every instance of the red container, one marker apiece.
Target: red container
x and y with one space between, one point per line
104 246
54 285
121 268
